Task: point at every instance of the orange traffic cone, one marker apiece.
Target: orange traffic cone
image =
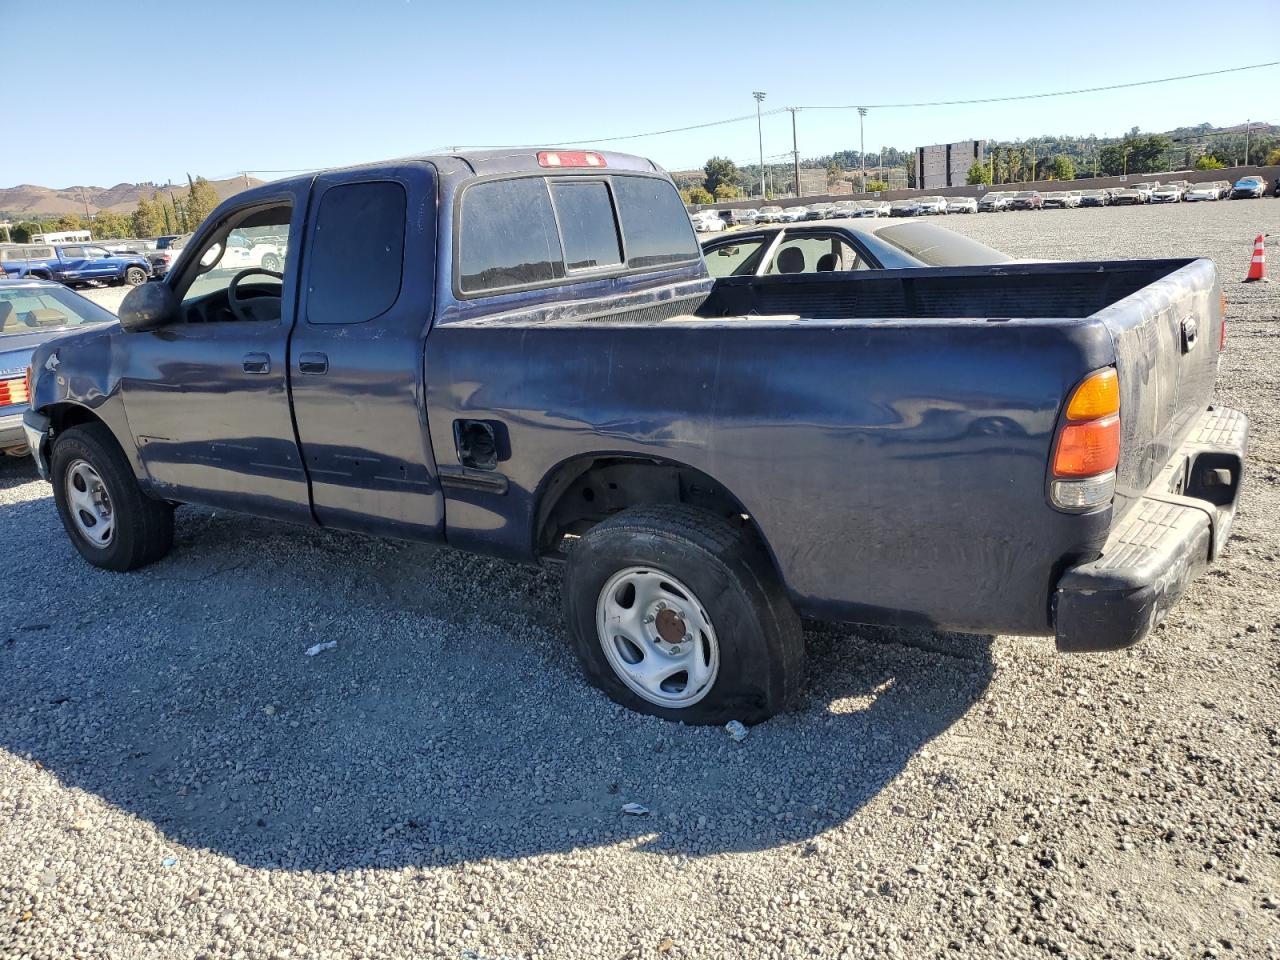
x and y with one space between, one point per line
1258 265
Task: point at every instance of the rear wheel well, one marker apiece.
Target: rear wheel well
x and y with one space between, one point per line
589 490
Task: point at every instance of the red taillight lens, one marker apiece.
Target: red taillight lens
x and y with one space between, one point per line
1086 449
15 390
570 158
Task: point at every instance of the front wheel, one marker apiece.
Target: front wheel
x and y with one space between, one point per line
677 613
110 521
135 276
271 262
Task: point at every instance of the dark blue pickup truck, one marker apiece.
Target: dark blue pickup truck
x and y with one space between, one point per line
73 263
521 353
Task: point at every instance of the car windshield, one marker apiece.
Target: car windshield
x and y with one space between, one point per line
993 196
33 309
1249 180
1025 193
770 209
938 247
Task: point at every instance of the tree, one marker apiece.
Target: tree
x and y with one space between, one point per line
699 195
720 171
1111 160
876 186
68 221
834 172
1209 162
147 220
978 173
106 224
1273 158
726 191
1061 168
23 232
201 199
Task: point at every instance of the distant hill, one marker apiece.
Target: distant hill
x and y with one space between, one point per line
28 200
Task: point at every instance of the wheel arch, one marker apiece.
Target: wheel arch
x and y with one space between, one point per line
589 488
65 414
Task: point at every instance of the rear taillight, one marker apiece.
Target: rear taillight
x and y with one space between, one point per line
1087 448
14 391
27 380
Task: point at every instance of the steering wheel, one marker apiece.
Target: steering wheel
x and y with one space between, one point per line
249 309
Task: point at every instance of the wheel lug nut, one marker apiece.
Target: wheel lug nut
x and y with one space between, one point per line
662 605
675 650
649 618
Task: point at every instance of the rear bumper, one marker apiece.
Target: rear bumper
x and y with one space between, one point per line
11 433
35 427
1163 543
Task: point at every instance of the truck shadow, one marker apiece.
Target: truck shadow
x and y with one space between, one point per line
449 724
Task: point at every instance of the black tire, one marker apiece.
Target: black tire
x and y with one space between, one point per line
135 276
271 262
143 528
761 645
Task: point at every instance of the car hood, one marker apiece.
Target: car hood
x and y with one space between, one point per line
16 348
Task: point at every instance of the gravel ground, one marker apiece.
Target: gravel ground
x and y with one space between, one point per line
177 779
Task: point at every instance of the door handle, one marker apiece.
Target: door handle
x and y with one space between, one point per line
257 363
313 363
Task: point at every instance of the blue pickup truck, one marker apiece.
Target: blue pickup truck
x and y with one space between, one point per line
521 353
73 263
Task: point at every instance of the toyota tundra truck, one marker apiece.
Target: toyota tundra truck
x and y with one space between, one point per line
521 353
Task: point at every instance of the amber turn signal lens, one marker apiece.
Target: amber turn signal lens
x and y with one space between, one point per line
1098 396
1085 449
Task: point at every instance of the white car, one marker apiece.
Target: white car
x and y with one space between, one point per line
962 204
244 251
707 221
769 214
930 206
1207 191
1166 193
793 214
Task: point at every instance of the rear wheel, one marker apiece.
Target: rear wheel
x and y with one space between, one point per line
677 613
111 522
135 276
271 262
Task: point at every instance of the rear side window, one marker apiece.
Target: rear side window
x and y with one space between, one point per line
73 251
508 236
586 224
357 252
655 227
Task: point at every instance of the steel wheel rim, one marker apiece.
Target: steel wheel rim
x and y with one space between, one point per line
657 637
89 504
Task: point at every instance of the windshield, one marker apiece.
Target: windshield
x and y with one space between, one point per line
992 196
34 309
1025 193
1249 180
938 247
770 209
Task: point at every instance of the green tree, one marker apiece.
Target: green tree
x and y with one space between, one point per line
147 220
201 199
68 221
978 173
726 191
1273 158
1061 168
1210 162
699 195
720 171
834 172
109 225
876 186
23 231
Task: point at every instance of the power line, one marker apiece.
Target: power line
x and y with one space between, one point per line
1055 93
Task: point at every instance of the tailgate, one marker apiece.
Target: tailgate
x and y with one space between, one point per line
1166 337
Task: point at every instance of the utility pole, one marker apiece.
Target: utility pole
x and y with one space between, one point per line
760 95
795 150
86 203
1248 126
862 147
1033 163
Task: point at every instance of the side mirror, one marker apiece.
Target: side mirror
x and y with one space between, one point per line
147 307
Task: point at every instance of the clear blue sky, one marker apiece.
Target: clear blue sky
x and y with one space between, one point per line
152 91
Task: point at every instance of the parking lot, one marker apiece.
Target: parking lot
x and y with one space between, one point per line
179 779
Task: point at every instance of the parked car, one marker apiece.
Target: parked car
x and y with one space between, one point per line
1203 191
1249 188
932 206
74 263
995 201
1062 199
1131 196
446 360
793 214
869 208
769 214
707 221
166 253
736 217
1167 193
1026 200
962 204
1095 198
31 313
821 211
1147 189
908 207
841 246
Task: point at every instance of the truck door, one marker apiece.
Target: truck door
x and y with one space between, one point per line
207 396
356 353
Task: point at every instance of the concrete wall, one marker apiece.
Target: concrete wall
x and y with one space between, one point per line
1093 183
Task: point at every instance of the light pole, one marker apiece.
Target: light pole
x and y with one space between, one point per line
795 150
760 95
1248 127
862 148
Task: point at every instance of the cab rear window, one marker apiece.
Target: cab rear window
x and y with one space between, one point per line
535 231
